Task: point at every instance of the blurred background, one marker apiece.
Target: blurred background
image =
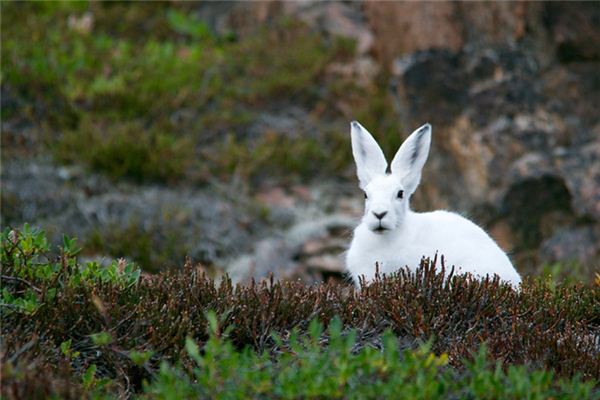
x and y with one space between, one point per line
220 130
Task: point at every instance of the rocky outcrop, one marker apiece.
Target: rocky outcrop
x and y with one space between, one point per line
207 224
310 250
516 132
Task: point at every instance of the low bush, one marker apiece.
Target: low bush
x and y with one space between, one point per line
302 368
106 331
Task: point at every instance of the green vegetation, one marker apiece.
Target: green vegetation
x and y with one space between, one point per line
25 253
566 271
72 331
151 253
153 94
126 150
277 154
161 97
303 369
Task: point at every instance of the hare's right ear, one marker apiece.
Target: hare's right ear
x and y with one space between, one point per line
410 158
369 157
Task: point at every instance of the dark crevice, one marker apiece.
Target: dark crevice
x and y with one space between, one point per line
527 202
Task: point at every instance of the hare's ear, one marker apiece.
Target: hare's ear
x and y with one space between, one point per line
410 158
369 158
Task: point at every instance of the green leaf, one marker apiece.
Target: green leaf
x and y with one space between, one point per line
139 358
51 294
65 347
101 338
193 350
88 376
213 323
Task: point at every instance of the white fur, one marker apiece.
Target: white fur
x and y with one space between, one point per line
404 236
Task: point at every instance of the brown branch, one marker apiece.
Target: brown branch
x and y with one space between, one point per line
20 280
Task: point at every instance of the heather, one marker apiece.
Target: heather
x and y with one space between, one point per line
73 329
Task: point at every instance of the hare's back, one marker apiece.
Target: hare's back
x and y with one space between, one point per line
463 244
448 226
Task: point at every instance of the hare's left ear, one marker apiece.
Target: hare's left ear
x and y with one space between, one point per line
410 158
369 157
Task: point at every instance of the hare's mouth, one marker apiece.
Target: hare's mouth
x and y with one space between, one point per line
380 229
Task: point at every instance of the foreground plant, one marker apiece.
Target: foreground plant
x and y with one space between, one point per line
25 260
327 365
72 330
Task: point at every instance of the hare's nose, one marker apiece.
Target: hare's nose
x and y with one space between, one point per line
380 215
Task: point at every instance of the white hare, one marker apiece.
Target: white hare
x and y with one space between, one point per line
392 236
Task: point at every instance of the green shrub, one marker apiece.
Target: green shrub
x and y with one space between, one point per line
25 261
303 368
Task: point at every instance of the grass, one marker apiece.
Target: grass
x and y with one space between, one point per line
74 330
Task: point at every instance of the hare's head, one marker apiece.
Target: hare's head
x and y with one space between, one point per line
388 187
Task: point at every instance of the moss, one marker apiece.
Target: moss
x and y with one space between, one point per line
108 70
374 108
570 271
284 60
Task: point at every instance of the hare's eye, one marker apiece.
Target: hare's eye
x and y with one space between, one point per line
366 197
400 194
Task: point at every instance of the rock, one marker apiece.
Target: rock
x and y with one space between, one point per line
216 14
362 71
329 18
271 256
402 28
326 264
577 244
510 142
554 221
302 192
309 250
176 222
405 27
580 167
503 235
334 19
319 246
575 30
292 122
498 22
319 227
275 197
